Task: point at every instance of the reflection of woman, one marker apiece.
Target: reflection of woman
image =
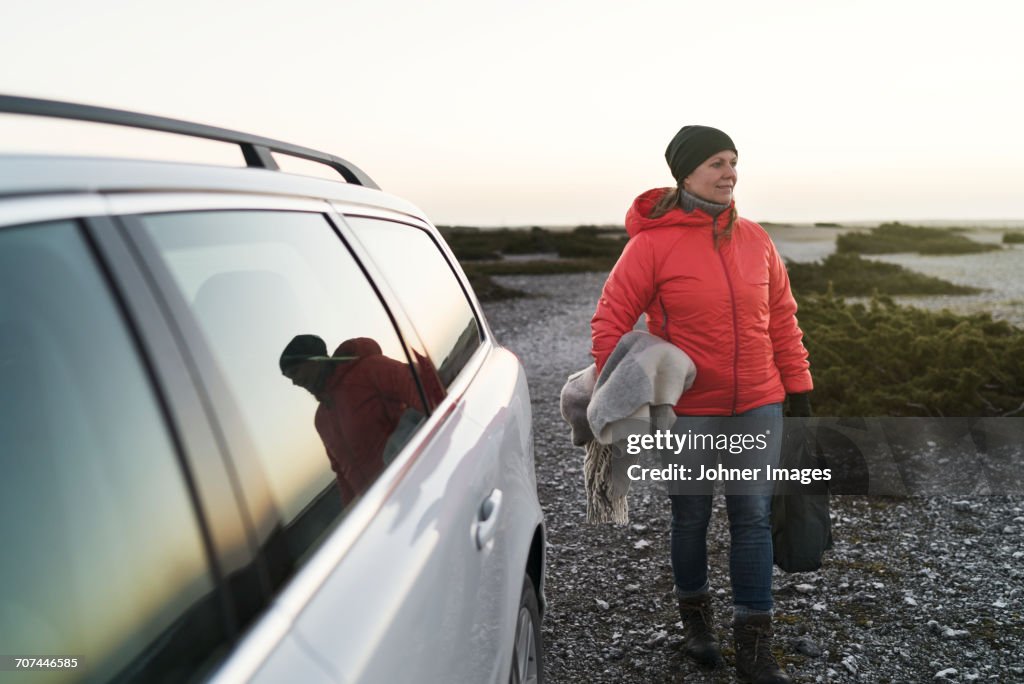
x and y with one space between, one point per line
713 284
368 404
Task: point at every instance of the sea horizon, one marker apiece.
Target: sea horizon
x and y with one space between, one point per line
979 224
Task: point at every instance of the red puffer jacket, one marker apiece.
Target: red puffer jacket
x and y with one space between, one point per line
730 309
362 404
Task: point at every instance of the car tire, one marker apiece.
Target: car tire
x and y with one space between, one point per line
528 646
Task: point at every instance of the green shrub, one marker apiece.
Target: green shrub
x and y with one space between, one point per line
890 238
453 230
534 241
600 230
472 252
488 291
1013 238
576 245
849 275
476 244
888 360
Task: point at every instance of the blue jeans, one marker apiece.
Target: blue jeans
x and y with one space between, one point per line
750 531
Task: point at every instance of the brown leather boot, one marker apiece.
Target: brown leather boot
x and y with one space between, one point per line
754 660
699 638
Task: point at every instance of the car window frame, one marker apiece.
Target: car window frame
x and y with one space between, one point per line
473 363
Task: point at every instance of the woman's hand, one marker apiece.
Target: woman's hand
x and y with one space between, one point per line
799 405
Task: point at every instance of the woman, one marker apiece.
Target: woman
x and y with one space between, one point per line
713 284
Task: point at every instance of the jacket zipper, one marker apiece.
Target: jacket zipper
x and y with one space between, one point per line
735 322
664 320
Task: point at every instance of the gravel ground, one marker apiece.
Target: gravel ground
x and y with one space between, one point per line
916 589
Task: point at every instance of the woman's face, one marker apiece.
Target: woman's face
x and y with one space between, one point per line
308 374
715 179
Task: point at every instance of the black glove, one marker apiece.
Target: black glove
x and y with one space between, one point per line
799 405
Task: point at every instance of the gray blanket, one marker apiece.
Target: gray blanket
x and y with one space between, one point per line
638 386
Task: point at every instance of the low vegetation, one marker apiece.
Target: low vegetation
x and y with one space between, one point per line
890 238
882 359
596 248
489 291
850 275
1013 238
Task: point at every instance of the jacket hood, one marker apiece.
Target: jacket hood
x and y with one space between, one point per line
358 346
637 219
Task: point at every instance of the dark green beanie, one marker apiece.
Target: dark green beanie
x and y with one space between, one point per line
302 348
692 146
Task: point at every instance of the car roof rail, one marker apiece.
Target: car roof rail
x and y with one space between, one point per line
255 149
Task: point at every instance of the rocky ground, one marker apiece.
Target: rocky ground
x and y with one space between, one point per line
917 589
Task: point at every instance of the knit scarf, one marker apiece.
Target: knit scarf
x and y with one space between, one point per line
690 202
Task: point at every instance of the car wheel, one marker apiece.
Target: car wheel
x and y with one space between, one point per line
528 648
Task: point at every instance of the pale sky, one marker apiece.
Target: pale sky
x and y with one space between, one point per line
558 112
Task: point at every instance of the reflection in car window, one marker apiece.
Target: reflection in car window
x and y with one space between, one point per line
102 554
281 302
427 288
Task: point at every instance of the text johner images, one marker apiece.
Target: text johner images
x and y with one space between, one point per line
676 472
734 443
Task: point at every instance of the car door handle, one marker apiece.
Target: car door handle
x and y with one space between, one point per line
487 518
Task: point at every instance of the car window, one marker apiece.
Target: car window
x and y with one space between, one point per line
103 556
424 282
308 352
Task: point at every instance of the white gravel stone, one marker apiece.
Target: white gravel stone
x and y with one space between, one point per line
657 639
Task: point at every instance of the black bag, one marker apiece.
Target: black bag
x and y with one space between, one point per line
801 526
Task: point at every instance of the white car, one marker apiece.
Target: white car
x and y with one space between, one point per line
253 427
